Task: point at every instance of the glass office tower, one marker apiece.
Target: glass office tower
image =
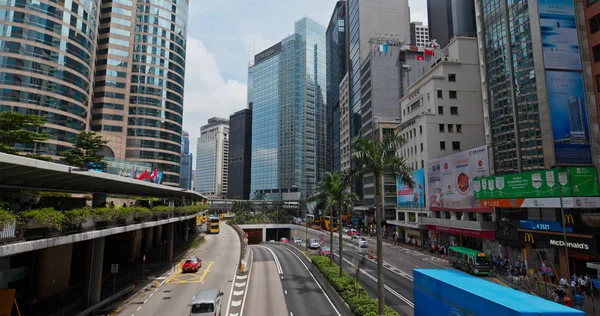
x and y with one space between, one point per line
287 94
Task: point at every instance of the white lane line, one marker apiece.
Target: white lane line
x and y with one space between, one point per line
274 258
241 277
193 297
246 290
145 301
139 309
285 291
396 294
291 314
326 296
236 303
238 293
151 294
240 284
231 291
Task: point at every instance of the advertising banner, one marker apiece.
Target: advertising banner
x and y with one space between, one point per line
576 181
566 100
554 202
586 243
414 197
450 178
559 34
485 234
544 226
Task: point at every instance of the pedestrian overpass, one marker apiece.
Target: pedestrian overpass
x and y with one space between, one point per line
257 205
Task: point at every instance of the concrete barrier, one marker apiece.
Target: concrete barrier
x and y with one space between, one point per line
335 298
243 259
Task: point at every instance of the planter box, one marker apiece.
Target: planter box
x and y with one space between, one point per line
101 224
124 221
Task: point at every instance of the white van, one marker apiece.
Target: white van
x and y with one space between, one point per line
207 303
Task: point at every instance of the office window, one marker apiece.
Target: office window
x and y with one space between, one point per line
458 128
422 164
440 110
452 77
453 110
453 94
594 24
455 145
450 128
421 147
421 129
441 127
443 145
440 94
596 50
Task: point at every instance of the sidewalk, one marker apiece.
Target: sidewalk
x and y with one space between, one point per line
409 247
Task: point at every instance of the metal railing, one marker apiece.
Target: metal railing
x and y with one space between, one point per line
107 301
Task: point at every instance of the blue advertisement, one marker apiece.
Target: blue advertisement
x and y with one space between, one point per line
559 34
568 114
414 197
544 225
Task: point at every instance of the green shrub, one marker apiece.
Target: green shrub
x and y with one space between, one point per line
351 291
104 214
161 209
191 209
77 216
48 217
138 211
6 217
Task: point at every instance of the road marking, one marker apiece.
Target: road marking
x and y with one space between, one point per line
236 303
145 302
246 290
242 277
274 258
151 294
139 309
291 314
326 296
233 314
240 284
193 297
237 293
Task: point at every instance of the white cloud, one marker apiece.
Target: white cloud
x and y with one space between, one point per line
418 11
207 92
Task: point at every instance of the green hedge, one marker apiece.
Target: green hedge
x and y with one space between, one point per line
6 217
351 291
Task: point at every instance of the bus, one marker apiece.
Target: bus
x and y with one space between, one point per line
213 226
313 222
327 225
469 260
203 219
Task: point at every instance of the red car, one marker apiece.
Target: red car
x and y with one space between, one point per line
192 265
352 232
285 240
324 251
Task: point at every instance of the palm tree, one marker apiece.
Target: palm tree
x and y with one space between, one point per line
322 195
378 158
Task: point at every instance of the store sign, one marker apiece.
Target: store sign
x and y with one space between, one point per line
577 181
545 225
568 202
450 178
485 234
545 240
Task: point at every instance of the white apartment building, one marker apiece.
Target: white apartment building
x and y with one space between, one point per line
419 34
345 113
442 113
210 176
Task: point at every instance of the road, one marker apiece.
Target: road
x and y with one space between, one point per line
280 284
220 257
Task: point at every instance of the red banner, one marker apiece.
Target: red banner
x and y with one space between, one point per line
485 234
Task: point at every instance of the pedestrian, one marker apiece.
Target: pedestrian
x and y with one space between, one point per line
563 281
579 299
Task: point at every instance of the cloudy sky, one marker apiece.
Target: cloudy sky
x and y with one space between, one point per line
222 38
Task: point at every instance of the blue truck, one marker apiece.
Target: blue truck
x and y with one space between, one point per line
450 292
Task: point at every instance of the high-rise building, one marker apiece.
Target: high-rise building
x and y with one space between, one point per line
449 18
140 70
592 16
47 67
240 154
287 92
185 178
419 34
337 63
212 157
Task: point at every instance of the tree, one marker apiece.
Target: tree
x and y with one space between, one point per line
378 158
16 128
88 145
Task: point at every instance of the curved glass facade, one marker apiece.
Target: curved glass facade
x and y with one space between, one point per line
46 56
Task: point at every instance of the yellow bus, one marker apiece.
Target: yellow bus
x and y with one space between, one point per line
213 225
313 222
203 219
327 225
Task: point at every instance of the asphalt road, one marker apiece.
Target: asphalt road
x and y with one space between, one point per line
219 254
280 284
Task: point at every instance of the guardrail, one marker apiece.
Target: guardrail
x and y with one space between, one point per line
244 247
107 301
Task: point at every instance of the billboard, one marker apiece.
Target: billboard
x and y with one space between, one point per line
568 113
559 34
414 197
450 178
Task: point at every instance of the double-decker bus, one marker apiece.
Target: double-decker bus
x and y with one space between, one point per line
313 222
469 260
213 225
327 224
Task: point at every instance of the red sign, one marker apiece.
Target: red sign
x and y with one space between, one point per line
485 234
471 210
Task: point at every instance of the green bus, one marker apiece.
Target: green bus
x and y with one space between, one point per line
469 260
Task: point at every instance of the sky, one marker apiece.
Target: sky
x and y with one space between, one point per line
222 38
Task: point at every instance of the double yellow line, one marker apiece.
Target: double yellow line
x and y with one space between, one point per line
169 280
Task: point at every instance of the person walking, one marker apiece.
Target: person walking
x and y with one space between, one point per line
579 299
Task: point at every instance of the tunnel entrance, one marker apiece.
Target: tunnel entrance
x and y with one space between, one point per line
272 233
254 236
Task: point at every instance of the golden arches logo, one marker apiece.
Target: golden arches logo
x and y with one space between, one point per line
569 219
529 238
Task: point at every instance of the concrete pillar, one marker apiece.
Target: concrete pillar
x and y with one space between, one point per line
186 230
135 244
149 233
158 235
264 233
54 270
4 266
95 282
170 235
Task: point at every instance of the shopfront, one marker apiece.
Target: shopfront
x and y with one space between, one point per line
461 237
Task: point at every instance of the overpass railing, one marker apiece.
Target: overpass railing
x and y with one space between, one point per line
244 246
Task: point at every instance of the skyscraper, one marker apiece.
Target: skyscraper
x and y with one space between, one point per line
449 18
136 79
240 154
185 178
212 157
287 93
337 60
47 67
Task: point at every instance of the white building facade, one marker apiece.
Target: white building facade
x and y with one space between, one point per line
210 176
442 114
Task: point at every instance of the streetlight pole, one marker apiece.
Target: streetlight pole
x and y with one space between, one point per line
562 215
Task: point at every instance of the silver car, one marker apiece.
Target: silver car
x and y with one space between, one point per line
361 241
207 303
312 243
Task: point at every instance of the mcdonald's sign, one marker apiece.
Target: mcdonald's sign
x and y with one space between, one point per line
529 238
568 219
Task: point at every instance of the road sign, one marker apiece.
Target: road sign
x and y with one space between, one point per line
114 268
321 237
